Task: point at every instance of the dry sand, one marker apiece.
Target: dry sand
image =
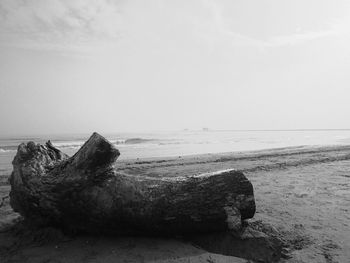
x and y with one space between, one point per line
303 193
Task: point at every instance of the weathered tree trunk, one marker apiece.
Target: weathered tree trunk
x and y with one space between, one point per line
87 193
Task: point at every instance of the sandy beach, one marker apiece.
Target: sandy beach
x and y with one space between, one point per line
302 193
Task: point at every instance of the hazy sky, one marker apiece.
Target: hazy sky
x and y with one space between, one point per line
109 66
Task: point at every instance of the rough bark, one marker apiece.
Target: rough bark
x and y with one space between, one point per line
87 193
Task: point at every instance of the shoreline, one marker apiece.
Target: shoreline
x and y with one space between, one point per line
247 161
245 154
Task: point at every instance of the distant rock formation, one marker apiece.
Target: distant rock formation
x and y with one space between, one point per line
87 193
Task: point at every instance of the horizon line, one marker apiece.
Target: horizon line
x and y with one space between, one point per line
205 129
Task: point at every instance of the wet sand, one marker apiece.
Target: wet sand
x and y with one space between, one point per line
301 192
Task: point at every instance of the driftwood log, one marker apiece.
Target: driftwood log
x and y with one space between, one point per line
86 193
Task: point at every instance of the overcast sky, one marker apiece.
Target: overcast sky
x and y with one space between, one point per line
110 66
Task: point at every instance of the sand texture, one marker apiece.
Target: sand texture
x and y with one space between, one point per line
302 196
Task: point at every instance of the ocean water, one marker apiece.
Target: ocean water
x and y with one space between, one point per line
164 144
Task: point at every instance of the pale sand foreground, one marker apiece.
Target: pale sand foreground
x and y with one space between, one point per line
302 192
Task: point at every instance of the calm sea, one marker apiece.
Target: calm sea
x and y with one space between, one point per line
161 144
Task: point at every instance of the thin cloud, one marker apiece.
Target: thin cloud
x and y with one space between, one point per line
85 26
58 24
296 39
219 30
